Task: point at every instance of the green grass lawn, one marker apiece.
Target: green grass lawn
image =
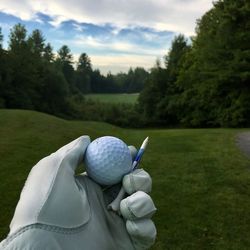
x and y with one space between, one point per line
114 98
201 182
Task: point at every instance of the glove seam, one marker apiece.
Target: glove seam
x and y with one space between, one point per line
55 229
130 211
132 180
48 193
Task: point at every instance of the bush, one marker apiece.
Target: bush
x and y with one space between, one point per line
124 115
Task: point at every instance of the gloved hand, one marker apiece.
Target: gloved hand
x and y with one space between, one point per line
58 210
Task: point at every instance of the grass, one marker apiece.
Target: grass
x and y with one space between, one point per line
201 181
114 98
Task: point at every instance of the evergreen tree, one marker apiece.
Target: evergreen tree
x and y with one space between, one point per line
83 73
110 84
139 79
1 39
2 66
152 94
36 41
54 92
20 91
84 64
64 63
168 109
64 54
97 81
217 71
18 36
48 54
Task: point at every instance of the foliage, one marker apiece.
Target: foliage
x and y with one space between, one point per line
152 94
33 77
205 83
48 54
121 114
219 68
158 100
1 38
133 81
114 98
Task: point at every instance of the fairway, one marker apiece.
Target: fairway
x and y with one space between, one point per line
113 98
201 181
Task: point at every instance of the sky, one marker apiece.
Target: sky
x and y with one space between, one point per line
116 34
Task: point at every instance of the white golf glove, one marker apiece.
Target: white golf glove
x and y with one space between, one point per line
58 210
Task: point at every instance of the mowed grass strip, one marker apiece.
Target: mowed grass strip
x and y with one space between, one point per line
113 98
201 181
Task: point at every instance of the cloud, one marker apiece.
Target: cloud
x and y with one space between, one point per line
117 51
116 34
172 15
110 46
121 63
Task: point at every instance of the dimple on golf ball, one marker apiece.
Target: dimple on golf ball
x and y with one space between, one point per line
107 160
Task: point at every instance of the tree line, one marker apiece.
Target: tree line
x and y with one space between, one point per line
205 81
32 76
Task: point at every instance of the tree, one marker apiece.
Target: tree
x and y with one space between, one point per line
173 61
36 42
83 73
159 97
1 39
18 38
64 62
64 54
2 66
140 76
217 74
20 92
97 81
168 109
152 94
54 92
110 83
84 64
48 54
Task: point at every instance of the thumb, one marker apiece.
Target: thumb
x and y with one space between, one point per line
72 154
50 194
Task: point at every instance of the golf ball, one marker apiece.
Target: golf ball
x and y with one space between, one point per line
107 160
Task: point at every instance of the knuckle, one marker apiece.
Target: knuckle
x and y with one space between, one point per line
138 180
143 233
136 206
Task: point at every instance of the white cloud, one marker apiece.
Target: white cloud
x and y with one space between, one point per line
118 56
115 46
172 15
110 53
78 27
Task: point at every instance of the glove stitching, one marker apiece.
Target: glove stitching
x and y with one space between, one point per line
44 227
48 194
130 212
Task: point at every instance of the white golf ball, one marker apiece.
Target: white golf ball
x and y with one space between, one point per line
107 160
